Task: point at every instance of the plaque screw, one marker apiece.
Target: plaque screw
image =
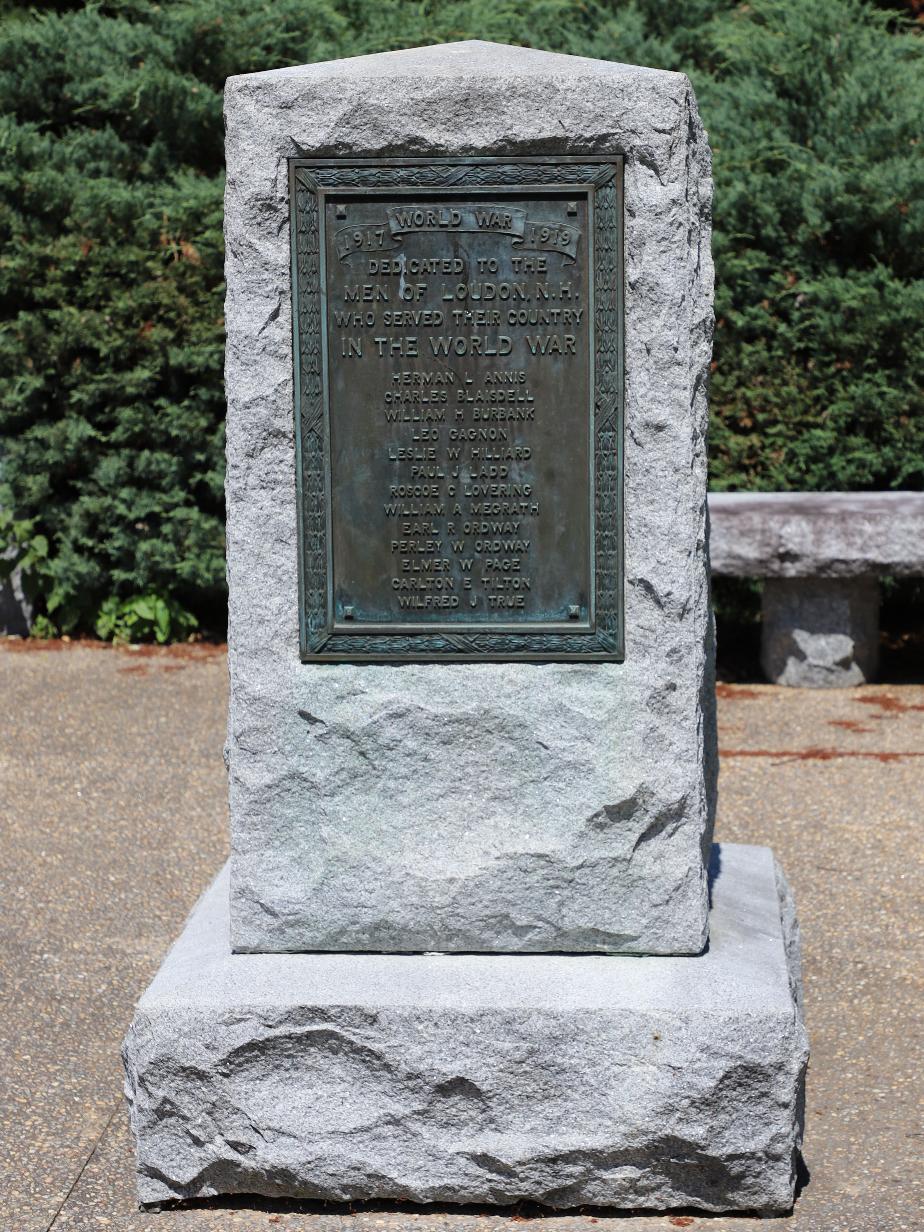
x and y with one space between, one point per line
348 613
572 207
574 612
341 211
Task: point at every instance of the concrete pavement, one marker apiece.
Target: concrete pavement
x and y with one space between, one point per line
112 806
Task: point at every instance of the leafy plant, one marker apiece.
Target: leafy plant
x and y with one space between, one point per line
143 618
43 628
23 548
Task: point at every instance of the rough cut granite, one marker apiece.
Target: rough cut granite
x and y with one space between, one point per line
620 1081
480 806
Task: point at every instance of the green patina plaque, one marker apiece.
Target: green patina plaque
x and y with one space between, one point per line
458 340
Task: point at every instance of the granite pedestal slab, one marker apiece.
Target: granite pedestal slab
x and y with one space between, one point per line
480 806
567 1079
817 534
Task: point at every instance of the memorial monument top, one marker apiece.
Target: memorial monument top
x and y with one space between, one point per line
472 60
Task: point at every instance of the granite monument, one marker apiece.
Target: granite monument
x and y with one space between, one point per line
474 943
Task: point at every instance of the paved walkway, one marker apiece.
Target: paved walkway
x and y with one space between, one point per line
113 820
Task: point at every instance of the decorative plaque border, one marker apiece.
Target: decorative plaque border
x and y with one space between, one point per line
601 178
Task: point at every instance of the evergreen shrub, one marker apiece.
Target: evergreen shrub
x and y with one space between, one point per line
111 400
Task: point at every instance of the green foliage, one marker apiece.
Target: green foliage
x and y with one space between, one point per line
43 628
111 401
143 618
25 549
819 250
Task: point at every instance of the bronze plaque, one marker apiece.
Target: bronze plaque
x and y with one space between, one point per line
459 422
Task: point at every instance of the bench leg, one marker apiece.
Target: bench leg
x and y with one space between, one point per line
820 633
15 608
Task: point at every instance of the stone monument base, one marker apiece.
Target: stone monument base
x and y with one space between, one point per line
566 1079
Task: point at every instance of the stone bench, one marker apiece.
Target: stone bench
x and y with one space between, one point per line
821 555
